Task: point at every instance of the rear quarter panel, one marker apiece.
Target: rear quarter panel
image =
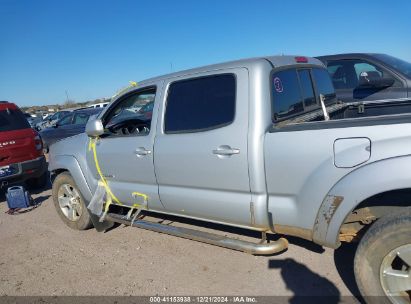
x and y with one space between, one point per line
300 168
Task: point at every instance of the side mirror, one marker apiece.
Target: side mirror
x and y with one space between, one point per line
377 83
56 125
94 127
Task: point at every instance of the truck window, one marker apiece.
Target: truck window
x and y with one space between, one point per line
66 120
324 85
287 99
347 73
339 76
200 104
400 65
80 119
296 91
365 67
11 119
307 88
126 110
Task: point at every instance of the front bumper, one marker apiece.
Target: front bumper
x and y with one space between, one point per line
33 168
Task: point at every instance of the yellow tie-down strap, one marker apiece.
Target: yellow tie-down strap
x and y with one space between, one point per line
110 195
121 91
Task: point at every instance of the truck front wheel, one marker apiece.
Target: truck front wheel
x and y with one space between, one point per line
382 262
69 202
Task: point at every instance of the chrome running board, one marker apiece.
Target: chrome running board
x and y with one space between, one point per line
204 237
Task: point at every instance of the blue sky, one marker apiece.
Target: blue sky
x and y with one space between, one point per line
93 48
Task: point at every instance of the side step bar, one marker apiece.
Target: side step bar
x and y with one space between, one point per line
205 237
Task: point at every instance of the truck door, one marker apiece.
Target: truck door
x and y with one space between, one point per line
125 151
350 76
200 151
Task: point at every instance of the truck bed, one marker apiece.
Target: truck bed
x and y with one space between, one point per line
389 109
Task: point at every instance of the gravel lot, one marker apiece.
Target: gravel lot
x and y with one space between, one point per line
39 255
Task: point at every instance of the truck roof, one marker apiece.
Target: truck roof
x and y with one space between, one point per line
276 61
7 105
348 55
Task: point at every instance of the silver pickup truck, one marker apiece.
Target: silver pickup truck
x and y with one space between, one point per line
260 144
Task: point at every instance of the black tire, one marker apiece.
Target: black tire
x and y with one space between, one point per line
386 234
83 221
39 182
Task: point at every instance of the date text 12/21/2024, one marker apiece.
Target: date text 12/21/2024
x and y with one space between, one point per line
202 299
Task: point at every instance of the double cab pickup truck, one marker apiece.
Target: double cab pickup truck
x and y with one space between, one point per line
261 144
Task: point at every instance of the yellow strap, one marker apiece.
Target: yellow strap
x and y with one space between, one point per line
121 91
92 146
144 196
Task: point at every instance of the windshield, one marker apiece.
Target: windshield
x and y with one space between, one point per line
12 120
400 65
53 117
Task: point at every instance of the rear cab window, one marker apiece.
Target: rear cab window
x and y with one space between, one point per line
12 119
296 91
200 104
324 85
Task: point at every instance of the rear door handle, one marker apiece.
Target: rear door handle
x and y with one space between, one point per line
142 151
226 151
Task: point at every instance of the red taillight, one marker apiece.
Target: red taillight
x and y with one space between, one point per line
38 142
301 59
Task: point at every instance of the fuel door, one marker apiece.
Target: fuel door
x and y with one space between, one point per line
351 152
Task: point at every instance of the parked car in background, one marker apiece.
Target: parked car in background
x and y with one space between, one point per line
71 124
261 144
365 77
99 105
21 149
147 110
34 121
50 120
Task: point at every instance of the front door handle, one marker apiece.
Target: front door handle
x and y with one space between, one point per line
226 151
142 152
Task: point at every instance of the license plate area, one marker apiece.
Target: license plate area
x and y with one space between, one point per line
8 170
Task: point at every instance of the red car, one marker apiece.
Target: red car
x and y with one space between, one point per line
21 149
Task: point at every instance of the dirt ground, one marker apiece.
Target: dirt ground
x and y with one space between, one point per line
39 255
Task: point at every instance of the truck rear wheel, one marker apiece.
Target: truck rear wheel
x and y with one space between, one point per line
382 262
69 202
